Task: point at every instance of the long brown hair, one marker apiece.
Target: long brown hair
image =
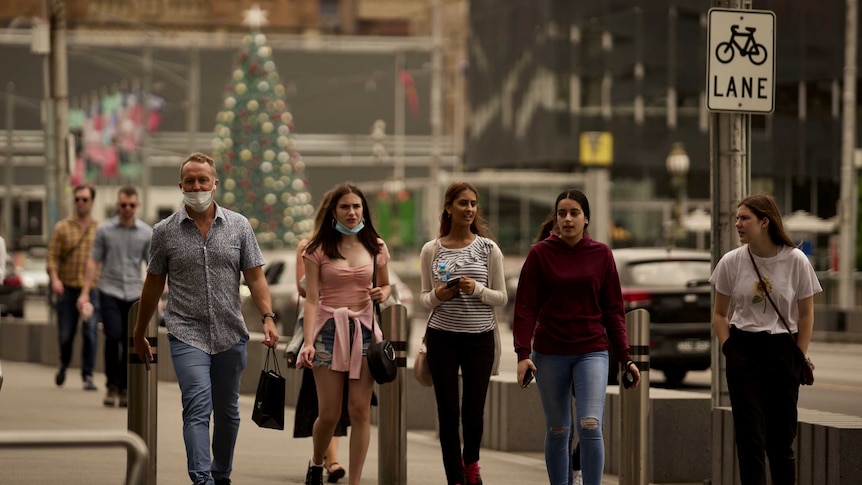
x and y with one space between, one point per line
325 234
479 226
764 205
547 227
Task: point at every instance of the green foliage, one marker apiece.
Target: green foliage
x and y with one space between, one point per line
262 175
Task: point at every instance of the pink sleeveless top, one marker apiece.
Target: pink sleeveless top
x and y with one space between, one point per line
341 287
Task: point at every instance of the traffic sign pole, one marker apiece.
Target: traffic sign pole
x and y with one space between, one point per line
730 162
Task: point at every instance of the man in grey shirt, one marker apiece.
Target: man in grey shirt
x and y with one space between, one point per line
120 246
201 250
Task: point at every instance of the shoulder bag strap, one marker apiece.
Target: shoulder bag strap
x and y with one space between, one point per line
763 285
433 257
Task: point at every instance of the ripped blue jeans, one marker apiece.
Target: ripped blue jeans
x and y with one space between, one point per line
559 377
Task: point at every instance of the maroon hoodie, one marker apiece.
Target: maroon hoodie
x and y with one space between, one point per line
569 300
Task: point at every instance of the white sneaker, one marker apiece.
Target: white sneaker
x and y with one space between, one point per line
579 479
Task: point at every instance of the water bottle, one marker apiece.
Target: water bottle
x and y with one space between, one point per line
443 272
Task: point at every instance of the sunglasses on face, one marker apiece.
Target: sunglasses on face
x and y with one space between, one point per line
82 199
126 205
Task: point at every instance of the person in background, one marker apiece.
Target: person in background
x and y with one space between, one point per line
69 250
462 336
763 360
568 312
121 245
202 248
339 268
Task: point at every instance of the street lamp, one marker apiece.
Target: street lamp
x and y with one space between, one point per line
677 166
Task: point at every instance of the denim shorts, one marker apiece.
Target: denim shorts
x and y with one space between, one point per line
323 344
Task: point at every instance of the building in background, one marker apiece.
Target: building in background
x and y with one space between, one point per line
339 88
543 72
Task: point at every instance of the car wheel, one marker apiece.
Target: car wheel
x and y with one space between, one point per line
674 376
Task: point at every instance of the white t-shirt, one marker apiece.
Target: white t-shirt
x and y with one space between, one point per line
788 275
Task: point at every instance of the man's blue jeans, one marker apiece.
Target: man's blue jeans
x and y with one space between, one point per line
209 386
67 327
586 377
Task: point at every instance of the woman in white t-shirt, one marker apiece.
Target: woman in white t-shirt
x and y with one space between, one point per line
763 361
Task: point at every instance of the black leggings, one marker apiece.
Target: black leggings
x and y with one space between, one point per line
473 354
763 381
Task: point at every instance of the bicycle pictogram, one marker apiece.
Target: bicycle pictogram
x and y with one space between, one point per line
756 52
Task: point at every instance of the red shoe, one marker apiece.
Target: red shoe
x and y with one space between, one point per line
472 473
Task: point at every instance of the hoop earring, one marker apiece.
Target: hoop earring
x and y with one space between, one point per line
448 215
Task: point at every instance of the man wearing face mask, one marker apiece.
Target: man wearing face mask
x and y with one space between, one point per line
202 248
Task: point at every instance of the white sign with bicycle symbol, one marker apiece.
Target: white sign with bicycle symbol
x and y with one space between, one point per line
740 71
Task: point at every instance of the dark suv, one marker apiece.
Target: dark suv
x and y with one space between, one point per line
672 285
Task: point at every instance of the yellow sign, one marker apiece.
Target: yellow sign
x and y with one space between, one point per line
597 148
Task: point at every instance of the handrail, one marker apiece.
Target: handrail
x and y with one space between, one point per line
137 449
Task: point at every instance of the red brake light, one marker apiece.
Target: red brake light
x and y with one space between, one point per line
636 298
12 281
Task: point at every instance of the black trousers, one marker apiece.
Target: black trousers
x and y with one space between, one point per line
473 354
115 323
763 380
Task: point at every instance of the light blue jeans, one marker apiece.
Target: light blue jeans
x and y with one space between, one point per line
209 386
559 377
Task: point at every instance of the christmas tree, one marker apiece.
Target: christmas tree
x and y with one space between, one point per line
262 174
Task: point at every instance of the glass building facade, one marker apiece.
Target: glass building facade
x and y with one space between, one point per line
543 72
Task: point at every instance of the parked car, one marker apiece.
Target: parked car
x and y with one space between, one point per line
673 286
12 292
280 272
33 272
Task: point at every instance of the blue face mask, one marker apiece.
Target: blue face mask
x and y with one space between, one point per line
349 232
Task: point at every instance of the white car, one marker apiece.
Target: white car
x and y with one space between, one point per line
34 275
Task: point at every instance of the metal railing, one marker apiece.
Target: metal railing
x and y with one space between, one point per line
135 446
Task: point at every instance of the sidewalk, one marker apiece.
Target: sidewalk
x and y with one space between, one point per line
29 400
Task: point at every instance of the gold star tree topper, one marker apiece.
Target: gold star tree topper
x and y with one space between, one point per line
255 17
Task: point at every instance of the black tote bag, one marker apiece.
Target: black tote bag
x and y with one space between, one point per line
269 401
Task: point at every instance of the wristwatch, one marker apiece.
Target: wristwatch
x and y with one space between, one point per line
270 315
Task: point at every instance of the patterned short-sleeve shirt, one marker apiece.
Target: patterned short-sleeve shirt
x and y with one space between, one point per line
204 308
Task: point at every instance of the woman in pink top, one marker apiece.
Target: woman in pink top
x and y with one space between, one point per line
338 308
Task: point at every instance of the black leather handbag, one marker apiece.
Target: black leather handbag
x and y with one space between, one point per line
381 355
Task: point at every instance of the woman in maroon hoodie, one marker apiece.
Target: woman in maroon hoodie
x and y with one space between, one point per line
568 312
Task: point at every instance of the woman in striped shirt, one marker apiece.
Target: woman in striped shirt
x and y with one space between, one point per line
462 330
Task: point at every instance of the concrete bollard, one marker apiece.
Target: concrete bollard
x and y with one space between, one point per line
143 391
634 466
392 425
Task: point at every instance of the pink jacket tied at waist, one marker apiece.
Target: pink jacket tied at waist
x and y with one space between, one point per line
345 358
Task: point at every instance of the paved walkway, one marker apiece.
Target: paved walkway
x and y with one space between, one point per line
29 400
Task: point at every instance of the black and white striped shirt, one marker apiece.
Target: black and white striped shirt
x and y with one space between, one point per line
464 313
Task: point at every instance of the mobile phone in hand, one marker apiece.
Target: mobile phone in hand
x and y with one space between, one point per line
628 379
528 378
452 282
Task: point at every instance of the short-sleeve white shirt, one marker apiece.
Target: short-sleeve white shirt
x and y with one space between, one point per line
789 276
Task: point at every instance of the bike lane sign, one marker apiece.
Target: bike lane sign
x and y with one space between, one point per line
740 68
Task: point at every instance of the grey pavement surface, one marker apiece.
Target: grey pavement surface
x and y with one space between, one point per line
29 401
